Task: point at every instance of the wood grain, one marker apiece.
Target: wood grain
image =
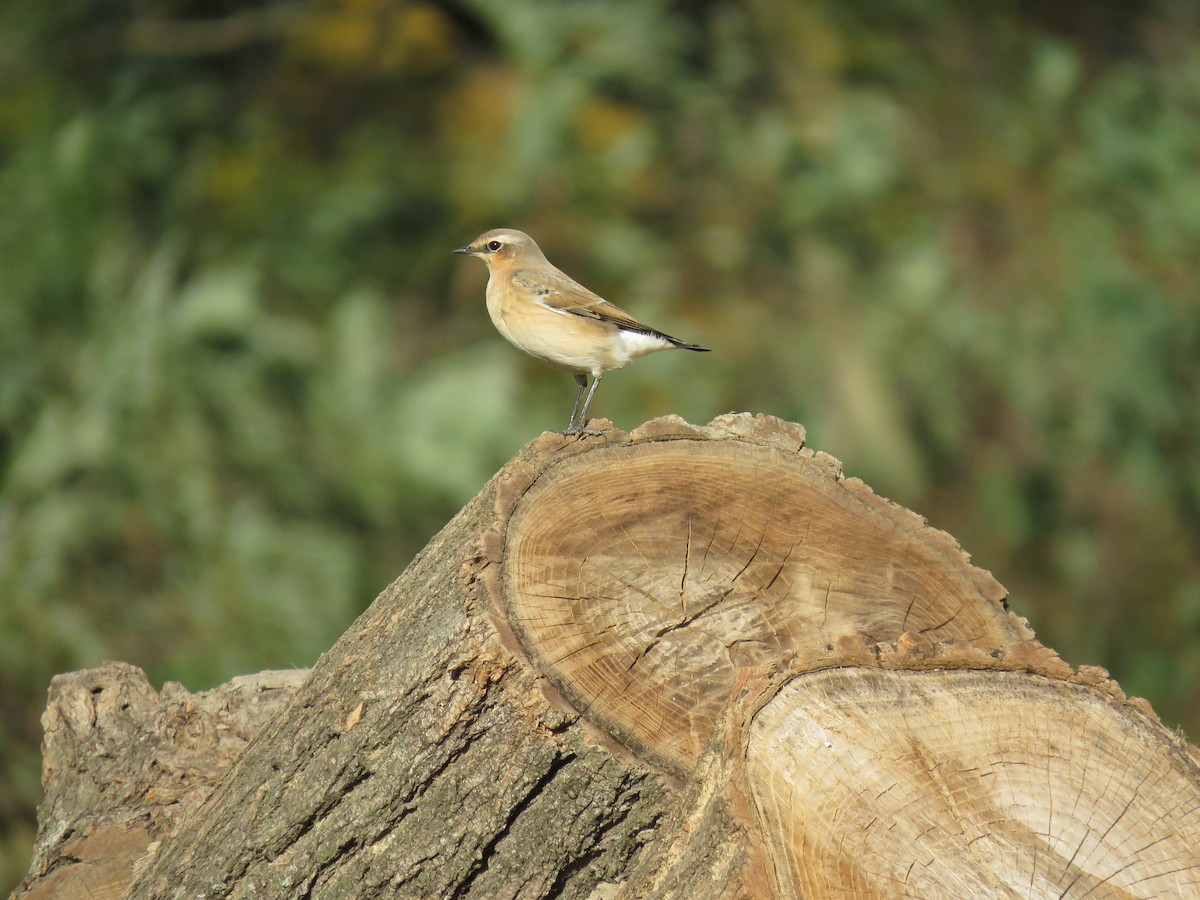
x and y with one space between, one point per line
872 783
642 578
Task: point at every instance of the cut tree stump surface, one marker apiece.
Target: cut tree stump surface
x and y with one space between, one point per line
687 662
640 578
978 784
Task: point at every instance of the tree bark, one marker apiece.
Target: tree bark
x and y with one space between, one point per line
684 662
124 764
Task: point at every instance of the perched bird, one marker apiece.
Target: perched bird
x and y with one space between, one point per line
544 312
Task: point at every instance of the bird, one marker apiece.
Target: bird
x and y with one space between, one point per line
541 310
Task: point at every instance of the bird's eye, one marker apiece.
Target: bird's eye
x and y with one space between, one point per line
494 246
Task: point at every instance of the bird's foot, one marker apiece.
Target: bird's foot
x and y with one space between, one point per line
576 429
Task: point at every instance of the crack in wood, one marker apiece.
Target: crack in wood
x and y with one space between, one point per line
486 853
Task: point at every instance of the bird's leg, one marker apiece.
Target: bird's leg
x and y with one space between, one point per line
587 403
573 426
578 414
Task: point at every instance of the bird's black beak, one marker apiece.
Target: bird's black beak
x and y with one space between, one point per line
468 250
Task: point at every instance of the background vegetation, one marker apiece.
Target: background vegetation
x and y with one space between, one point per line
244 380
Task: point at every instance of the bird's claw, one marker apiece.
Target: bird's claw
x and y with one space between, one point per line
577 430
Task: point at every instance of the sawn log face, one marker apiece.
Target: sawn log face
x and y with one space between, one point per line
642 577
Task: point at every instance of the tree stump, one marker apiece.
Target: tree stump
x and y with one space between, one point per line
684 662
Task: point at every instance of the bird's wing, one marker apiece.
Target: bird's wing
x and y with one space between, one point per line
559 292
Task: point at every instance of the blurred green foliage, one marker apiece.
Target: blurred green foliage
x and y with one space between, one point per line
244 380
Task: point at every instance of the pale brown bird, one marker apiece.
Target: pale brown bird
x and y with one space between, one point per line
552 317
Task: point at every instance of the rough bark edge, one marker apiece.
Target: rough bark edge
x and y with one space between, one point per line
441 585
907 655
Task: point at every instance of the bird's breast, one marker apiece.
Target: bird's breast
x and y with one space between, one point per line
573 343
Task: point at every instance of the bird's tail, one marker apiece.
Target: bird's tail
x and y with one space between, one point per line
684 345
639 328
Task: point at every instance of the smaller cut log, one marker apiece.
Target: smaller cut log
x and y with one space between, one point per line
905 773
122 764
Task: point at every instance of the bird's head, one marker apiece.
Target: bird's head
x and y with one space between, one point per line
503 248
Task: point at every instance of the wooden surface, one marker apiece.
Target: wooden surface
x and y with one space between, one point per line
124 763
873 783
642 577
680 663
